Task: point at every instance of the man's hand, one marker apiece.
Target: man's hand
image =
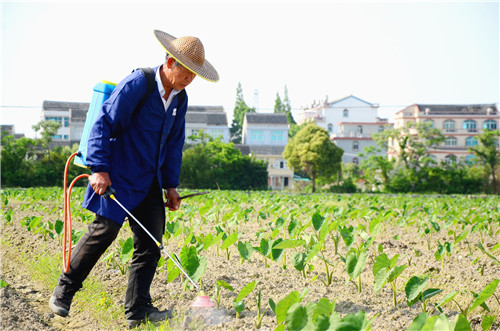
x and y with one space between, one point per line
100 182
172 198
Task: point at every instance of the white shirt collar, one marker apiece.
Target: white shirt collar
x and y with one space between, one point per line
161 89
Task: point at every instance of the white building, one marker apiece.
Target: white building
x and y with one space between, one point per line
210 119
460 124
265 135
71 116
350 121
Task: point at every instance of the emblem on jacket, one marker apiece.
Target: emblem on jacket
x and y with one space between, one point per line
174 112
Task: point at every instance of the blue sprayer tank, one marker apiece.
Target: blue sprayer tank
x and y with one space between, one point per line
102 91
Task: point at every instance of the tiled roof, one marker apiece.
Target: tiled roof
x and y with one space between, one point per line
207 118
64 105
458 109
266 118
267 149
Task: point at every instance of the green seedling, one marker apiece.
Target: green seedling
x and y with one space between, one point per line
479 299
260 315
387 271
355 261
194 264
443 250
495 260
245 250
415 291
439 322
122 254
218 290
238 303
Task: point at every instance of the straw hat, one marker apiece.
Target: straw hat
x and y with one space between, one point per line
190 53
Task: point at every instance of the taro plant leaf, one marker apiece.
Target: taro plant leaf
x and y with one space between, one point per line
355 264
462 324
299 261
289 243
495 260
487 292
59 227
296 317
239 306
414 288
172 271
245 250
356 321
272 304
230 240
448 298
487 321
3 283
317 221
225 285
293 226
381 262
127 250
323 307
395 272
419 322
284 304
276 253
246 290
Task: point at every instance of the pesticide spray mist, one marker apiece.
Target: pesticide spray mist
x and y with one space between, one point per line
203 311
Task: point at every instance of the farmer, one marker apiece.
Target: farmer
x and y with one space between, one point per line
138 149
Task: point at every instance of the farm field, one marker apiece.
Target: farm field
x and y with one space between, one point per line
272 260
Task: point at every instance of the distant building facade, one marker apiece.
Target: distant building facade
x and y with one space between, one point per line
460 124
265 135
71 116
9 129
350 122
210 119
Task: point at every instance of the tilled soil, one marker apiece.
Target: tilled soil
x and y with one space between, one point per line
24 304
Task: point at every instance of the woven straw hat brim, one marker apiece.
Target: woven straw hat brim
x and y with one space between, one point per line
205 71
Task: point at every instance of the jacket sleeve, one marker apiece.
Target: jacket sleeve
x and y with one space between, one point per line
175 142
113 118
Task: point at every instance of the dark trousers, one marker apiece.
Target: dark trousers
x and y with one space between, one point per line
101 233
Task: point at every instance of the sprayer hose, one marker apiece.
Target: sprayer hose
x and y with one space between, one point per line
67 238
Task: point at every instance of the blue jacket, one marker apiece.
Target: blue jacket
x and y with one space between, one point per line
134 145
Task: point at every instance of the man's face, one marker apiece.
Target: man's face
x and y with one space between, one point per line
178 75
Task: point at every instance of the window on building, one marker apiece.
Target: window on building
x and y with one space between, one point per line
257 135
282 165
450 159
359 129
66 122
471 141
276 136
470 159
429 123
66 137
355 160
490 125
355 145
449 126
451 141
469 125
330 127
346 113
381 128
57 136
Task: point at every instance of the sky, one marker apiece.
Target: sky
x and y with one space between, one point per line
391 53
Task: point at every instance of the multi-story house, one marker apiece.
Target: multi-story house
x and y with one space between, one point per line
210 119
265 135
350 121
460 124
71 116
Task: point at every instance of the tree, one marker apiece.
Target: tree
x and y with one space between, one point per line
312 152
240 109
376 167
49 130
278 105
218 165
288 108
488 154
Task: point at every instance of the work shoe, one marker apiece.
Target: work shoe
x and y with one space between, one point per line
59 306
152 314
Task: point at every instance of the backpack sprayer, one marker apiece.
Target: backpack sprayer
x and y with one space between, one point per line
102 91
